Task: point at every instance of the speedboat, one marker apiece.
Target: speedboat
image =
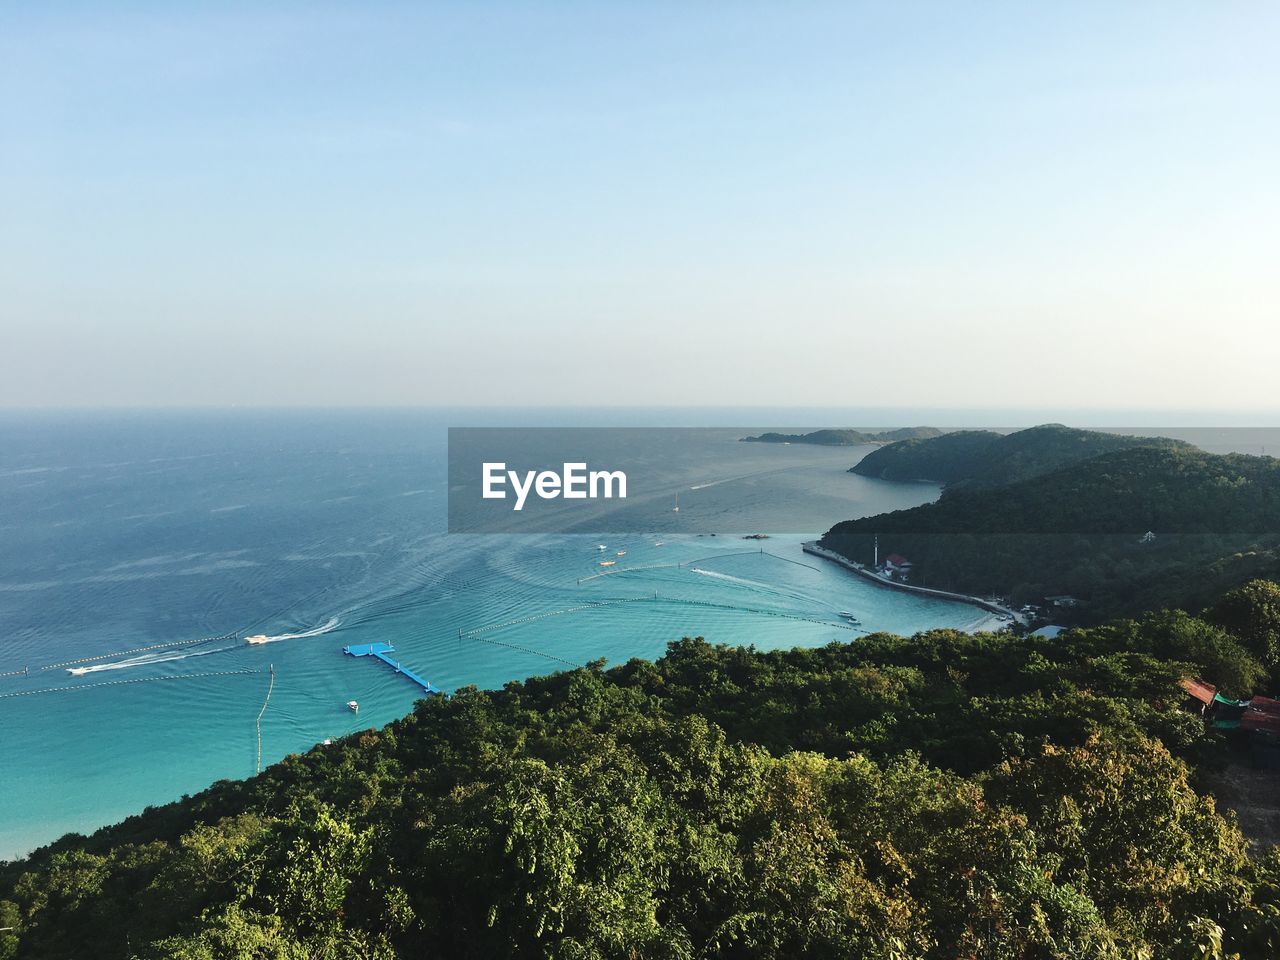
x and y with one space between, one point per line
77 671
621 553
849 616
607 563
258 638
601 546
353 706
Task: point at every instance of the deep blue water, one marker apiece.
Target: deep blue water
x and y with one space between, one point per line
120 532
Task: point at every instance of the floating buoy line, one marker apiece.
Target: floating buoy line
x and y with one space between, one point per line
478 633
118 683
517 647
125 653
258 722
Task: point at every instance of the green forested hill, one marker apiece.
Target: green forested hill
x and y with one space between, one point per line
1077 531
974 459
938 797
944 459
845 438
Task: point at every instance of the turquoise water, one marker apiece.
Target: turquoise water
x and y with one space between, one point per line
126 532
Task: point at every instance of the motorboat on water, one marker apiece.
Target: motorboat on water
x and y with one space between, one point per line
852 618
601 546
257 638
607 563
353 706
77 671
621 553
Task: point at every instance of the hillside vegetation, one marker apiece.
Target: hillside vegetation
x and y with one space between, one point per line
945 459
936 797
974 459
1078 530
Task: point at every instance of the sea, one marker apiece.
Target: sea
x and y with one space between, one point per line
139 550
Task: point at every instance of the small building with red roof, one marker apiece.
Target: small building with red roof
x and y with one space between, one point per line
1199 693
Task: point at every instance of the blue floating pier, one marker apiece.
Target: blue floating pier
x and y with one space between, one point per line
380 650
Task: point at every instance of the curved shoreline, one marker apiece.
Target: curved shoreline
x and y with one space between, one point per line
812 547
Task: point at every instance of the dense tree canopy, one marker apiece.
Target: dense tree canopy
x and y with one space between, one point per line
946 459
977 459
1252 614
1080 531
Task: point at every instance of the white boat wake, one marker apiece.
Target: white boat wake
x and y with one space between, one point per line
715 574
165 657
302 635
758 586
745 476
142 661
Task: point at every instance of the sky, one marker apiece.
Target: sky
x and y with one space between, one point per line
1069 206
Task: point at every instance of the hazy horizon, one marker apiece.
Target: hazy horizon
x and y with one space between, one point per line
775 417
907 207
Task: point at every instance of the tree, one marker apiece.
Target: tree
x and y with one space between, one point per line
1251 614
9 920
1123 822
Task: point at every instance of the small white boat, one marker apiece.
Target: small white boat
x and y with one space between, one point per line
659 543
849 616
607 563
258 638
676 508
601 546
621 553
77 671
353 706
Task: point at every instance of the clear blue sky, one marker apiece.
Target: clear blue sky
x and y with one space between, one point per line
1068 205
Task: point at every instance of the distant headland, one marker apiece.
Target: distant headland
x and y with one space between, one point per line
847 438
984 459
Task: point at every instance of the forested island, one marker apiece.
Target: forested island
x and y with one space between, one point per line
947 795
1111 525
970 459
846 438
